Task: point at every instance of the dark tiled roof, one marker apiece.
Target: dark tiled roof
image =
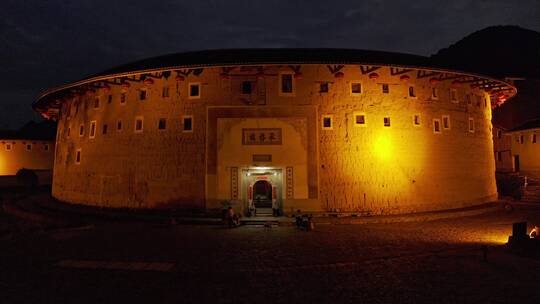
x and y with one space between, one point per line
272 56
531 124
32 131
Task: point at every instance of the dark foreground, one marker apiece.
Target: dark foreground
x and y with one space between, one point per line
127 262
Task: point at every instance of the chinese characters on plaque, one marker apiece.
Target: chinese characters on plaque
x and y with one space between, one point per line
261 136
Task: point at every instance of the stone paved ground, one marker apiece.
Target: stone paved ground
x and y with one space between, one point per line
438 261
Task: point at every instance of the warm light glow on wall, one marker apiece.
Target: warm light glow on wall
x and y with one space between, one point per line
382 147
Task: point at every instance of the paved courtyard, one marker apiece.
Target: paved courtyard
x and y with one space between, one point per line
133 262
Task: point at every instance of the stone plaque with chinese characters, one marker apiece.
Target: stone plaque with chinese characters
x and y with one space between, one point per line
261 136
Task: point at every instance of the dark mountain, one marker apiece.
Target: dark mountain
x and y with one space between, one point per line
500 51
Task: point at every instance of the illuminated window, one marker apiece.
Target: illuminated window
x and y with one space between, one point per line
28 147
356 88
104 129
323 87
9 147
327 122
533 138
386 121
411 92
286 82
142 94
119 125
434 93
81 130
123 98
194 90
453 95
385 88
437 125
165 92
78 156
92 129
162 124
139 124
359 119
416 120
246 87
446 122
109 99
46 147
96 103
471 124
187 124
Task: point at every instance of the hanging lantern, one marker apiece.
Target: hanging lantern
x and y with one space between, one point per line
373 76
339 75
148 81
224 76
298 76
106 88
433 81
456 84
180 78
260 75
405 78
126 85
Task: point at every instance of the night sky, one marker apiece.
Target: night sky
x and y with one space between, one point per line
48 43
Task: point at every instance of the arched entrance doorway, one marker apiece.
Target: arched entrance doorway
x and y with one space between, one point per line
262 194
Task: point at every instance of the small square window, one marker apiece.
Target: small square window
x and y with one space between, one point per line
138 124
286 84
119 125
96 103
123 98
360 120
434 93
453 95
385 88
323 87
78 157
28 147
92 129
386 121
9 147
162 124
468 99
194 90
109 99
246 87
81 130
411 92
104 129
356 88
437 125
187 124
499 156
533 138
521 139
327 122
446 122
471 125
142 94
46 147
499 133
165 92
68 131
416 120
